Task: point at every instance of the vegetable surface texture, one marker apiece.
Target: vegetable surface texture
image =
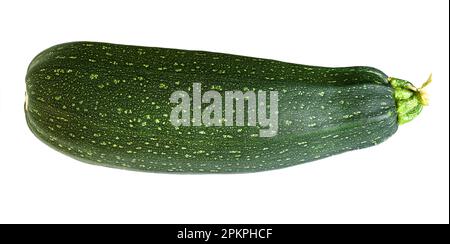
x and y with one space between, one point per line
168 110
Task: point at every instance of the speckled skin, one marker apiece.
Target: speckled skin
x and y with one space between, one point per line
108 104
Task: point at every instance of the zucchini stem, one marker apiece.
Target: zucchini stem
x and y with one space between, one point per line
409 99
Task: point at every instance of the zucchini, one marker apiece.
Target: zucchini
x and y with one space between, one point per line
111 105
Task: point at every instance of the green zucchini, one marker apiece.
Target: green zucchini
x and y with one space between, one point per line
110 105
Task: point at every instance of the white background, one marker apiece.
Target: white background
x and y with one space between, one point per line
403 180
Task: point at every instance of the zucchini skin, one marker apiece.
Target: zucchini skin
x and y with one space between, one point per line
108 104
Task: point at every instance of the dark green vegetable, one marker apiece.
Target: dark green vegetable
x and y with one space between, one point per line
109 105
